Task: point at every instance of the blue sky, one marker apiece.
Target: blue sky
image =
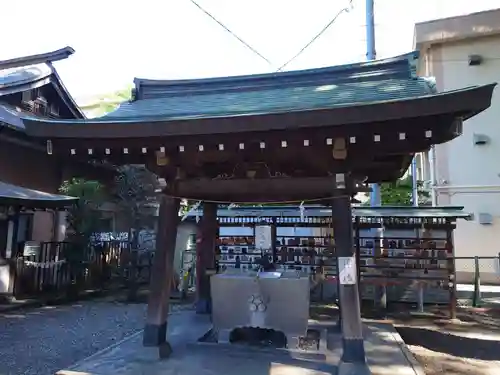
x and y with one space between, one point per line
116 41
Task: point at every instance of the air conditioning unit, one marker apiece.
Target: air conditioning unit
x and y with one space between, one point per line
485 218
480 139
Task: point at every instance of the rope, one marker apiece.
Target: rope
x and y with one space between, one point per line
260 203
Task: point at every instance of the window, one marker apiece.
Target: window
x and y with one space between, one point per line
27 96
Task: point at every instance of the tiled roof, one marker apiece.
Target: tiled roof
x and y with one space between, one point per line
311 89
10 118
17 195
21 75
24 73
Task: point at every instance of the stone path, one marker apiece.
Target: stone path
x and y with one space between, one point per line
383 349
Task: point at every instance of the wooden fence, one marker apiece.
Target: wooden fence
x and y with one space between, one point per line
105 264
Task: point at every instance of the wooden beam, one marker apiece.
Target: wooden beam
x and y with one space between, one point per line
258 190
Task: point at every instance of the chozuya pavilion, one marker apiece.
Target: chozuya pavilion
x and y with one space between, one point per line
311 135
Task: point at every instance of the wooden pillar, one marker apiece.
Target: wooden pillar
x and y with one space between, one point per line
357 249
351 325
274 236
205 257
155 331
13 247
452 281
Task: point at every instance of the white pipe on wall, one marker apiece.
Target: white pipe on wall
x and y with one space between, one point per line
467 187
432 170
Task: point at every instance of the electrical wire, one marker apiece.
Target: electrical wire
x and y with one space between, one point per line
230 32
327 26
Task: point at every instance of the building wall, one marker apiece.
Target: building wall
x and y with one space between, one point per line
34 169
467 174
28 168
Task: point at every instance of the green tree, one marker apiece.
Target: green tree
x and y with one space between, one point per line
136 190
104 104
400 193
83 220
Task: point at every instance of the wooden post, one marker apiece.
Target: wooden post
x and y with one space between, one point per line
155 331
452 282
357 241
476 298
205 257
14 267
352 332
274 234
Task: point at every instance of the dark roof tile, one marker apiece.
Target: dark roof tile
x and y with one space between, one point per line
362 83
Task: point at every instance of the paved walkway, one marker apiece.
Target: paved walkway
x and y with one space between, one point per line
383 347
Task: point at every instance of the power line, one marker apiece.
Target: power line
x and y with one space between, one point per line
230 32
344 10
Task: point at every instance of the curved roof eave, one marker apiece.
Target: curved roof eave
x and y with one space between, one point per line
57 55
463 103
20 196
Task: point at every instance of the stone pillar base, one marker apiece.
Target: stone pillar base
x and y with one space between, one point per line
346 368
155 335
353 351
203 306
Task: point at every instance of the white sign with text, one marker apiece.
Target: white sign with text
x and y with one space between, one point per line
347 270
263 237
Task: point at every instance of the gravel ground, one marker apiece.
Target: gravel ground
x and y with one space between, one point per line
471 347
435 363
44 340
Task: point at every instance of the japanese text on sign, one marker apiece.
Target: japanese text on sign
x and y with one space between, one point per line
347 270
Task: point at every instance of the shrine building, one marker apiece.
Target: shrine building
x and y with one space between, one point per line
317 135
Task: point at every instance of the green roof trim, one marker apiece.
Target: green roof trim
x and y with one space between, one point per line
413 212
357 211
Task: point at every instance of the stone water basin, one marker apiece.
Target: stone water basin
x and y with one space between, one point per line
269 300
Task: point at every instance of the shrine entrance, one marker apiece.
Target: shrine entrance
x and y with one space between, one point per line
319 135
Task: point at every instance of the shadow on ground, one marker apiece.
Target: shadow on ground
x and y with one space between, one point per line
448 343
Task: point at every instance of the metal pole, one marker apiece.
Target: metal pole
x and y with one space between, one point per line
375 197
414 181
432 165
371 55
370 31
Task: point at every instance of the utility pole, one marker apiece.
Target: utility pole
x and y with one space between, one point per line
371 55
414 181
353 360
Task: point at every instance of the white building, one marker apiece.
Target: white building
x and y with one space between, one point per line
465 51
